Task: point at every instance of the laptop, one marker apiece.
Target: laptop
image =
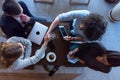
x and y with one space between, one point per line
37 33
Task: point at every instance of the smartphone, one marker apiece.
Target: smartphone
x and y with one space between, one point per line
63 31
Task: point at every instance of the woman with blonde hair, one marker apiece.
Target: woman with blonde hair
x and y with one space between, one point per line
15 53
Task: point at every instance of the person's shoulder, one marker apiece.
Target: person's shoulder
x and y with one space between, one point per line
6 18
16 38
80 12
20 2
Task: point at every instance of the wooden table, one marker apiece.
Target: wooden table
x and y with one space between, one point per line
61 49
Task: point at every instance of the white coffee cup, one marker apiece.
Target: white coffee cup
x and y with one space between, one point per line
51 56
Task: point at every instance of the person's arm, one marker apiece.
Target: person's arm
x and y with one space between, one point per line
54 24
22 63
26 18
60 18
77 38
81 61
25 42
71 15
71 53
69 38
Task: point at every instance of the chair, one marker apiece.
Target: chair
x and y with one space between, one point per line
79 2
45 1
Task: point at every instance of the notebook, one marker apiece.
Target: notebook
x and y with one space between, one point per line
37 33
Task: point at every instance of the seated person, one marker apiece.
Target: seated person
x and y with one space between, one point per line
15 53
87 26
94 56
16 18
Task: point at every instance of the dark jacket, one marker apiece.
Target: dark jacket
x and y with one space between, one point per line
12 27
88 53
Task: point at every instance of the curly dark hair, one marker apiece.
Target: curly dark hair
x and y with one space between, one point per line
95 26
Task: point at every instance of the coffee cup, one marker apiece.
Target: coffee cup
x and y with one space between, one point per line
51 57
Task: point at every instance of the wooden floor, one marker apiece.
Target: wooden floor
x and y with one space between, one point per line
36 76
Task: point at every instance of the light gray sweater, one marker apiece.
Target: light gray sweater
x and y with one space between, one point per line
25 60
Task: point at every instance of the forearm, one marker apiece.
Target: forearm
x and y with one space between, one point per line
77 38
75 50
28 46
28 51
54 24
45 44
31 60
81 61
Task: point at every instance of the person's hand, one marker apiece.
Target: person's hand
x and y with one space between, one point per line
48 35
68 38
71 54
46 39
24 18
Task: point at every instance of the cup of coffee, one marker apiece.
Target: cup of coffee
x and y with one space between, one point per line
51 57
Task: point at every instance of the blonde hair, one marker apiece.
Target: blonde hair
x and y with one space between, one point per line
10 52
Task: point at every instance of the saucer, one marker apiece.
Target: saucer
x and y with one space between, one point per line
48 57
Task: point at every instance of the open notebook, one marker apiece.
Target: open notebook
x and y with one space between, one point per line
37 33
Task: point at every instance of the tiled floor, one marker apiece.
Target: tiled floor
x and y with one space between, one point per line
62 69
110 39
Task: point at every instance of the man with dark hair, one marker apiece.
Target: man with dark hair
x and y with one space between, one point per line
87 26
96 57
16 18
94 26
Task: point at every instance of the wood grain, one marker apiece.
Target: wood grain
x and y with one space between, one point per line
36 76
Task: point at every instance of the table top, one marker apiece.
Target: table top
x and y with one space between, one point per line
60 47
